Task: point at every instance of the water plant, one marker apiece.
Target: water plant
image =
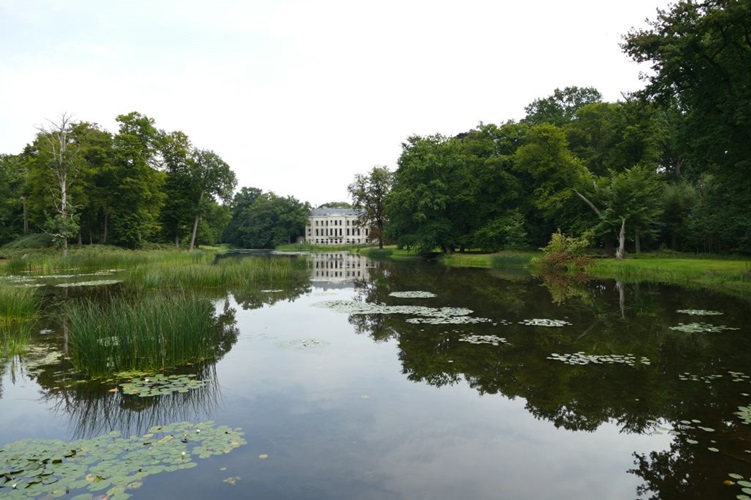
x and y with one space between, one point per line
154 333
109 463
160 385
701 328
413 295
580 358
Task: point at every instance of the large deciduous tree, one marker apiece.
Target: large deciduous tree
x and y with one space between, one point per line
700 56
140 196
368 193
211 177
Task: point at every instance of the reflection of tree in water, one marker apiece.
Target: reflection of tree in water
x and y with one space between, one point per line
272 291
607 318
93 410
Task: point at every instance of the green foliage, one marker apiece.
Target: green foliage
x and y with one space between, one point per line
560 108
265 220
564 251
504 233
368 193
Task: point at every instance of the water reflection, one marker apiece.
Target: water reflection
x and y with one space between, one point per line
607 318
340 267
93 410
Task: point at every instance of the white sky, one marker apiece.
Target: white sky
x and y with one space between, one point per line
300 95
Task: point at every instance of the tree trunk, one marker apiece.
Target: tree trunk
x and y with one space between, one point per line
621 252
25 216
177 240
637 243
106 223
195 231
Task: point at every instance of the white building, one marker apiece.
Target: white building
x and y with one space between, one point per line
335 226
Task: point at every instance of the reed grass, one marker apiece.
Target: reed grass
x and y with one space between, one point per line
155 333
96 258
19 308
14 338
18 303
230 272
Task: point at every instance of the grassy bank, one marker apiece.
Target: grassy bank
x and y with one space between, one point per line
724 274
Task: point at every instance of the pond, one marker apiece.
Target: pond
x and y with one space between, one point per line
382 380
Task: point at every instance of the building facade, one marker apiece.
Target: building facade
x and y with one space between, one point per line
335 226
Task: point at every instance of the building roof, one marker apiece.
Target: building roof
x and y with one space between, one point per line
322 212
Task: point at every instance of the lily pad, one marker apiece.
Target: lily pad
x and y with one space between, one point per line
483 339
161 385
110 464
699 312
580 358
701 328
413 295
544 322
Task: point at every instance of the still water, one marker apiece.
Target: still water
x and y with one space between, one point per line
477 385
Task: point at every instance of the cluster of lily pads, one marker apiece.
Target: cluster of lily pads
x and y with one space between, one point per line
423 314
689 427
413 295
580 358
544 322
701 328
161 385
739 376
699 312
744 483
744 413
707 379
483 339
109 464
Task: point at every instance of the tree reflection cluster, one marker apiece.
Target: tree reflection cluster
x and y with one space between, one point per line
607 318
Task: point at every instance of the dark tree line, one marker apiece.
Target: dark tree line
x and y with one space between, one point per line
140 185
666 167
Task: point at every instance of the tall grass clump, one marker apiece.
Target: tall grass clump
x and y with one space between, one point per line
228 272
155 333
19 307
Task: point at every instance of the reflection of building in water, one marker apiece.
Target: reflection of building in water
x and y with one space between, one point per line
340 266
335 226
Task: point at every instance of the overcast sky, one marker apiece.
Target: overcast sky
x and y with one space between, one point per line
298 96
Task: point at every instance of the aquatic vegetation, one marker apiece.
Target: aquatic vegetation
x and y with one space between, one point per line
580 358
448 320
426 315
707 379
154 333
744 413
413 295
744 483
483 339
544 322
160 385
109 464
701 328
699 312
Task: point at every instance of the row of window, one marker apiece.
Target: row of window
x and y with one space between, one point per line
332 241
338 232
335 222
